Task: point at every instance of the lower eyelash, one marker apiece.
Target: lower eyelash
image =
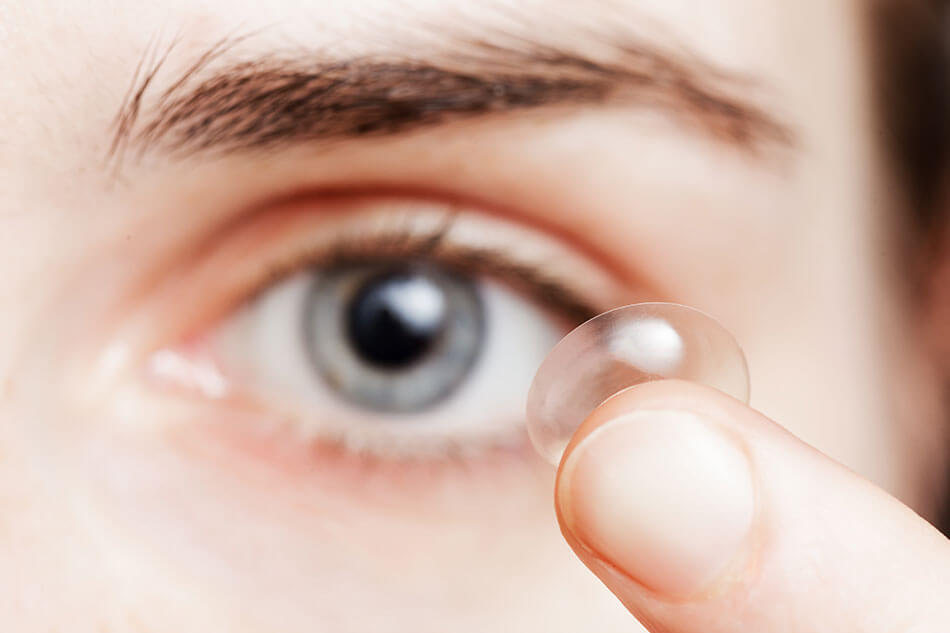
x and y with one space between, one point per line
380 445
195 371
280 450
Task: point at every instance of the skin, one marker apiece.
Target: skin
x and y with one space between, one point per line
123 509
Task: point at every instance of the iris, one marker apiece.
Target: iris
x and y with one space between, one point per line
393 336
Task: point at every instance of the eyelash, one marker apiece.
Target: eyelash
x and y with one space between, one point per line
308 234
550 292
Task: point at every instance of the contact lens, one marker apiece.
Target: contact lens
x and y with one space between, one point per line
622 348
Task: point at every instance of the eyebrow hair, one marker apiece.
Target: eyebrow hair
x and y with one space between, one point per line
279 100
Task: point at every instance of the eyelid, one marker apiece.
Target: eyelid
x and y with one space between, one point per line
434 244
251 255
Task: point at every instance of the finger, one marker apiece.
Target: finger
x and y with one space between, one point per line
703 516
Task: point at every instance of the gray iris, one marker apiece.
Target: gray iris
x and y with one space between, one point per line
394 337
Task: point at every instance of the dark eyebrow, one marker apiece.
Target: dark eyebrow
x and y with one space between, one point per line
285 99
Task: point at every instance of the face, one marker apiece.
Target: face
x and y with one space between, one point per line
277 277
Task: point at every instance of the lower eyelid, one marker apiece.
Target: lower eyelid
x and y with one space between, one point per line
270 454
247 436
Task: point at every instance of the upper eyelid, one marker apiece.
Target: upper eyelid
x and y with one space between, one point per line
213 264
476 261
436 239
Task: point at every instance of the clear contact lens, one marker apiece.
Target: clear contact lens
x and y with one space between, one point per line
622 348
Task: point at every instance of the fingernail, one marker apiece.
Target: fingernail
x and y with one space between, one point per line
662 495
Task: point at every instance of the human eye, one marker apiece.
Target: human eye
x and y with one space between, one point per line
402 329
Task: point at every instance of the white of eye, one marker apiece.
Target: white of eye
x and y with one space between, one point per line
263 348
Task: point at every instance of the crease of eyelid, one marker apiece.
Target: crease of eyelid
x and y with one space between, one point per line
278 98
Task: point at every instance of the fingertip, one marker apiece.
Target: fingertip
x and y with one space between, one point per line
662 495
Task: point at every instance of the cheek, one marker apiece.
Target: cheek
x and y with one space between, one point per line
260 521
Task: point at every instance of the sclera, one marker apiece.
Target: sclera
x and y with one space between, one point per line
622 348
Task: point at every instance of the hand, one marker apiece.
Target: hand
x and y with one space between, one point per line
703 516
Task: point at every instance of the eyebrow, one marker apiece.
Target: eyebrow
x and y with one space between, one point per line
279 100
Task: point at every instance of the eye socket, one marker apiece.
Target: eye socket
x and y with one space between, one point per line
393 337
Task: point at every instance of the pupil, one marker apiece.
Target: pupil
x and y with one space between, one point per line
394 319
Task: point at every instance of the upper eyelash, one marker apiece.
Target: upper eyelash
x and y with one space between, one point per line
431 244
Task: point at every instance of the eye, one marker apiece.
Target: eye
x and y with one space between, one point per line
400 358
395 337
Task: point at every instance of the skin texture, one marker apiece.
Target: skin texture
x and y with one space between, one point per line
126 508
